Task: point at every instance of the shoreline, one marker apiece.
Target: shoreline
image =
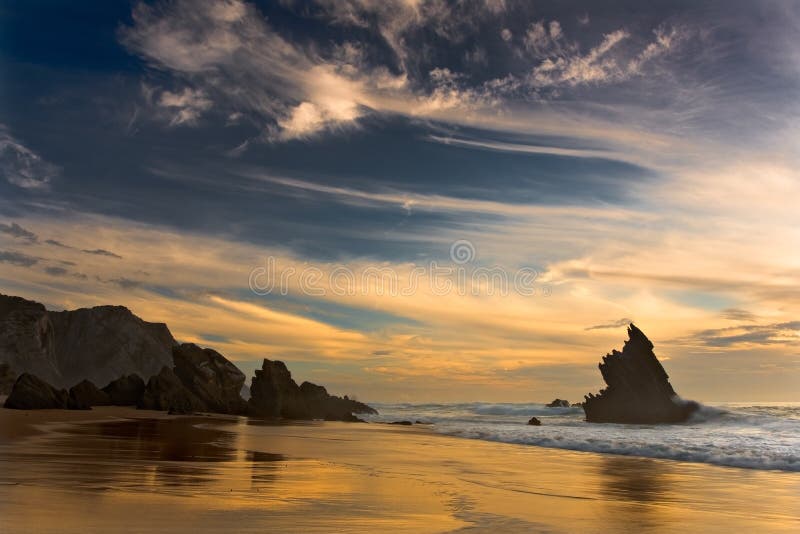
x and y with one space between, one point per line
96 471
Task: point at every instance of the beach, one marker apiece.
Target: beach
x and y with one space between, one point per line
135 470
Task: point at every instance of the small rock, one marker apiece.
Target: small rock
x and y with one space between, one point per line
559 403
533 421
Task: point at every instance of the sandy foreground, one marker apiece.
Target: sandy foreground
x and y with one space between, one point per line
119 469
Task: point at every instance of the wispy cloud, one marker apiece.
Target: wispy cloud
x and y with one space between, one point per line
16 231
21 166
102 252
17 258
613 324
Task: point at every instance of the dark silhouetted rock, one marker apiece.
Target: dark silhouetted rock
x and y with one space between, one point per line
166 392
33 393
323 405
85 394
638 389
97 344
7 378
126 390
403 423
577 404
534 421
210 377
273 393
559 403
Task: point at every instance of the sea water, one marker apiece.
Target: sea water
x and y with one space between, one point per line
750 435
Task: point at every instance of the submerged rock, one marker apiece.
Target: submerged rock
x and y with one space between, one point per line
638 389
559 403
126 390
534 421
32 393
85 394
273 393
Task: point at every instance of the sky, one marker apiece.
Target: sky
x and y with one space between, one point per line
417 200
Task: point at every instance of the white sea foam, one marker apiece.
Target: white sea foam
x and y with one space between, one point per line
751 436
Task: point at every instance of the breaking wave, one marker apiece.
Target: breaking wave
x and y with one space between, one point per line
763 436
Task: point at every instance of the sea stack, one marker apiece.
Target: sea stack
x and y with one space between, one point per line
638 389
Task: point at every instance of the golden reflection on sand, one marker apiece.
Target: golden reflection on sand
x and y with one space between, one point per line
210 474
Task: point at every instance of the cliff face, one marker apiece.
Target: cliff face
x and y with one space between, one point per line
638 389
62 348
273 393
142 365
27 339
106 342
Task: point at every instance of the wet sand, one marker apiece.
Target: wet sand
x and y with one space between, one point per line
118 469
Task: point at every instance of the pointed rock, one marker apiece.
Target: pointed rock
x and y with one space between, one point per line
638 389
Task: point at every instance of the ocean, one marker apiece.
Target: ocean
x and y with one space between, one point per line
750 435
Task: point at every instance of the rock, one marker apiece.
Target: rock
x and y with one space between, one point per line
7 378
323 405
98 344
126 390
210 377
534 421
166 392
559 403
85 394
105 342
638 389
33 393
577 404
404 423
27 339
273 393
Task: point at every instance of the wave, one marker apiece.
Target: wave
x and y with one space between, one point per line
627 445
747 436
522 409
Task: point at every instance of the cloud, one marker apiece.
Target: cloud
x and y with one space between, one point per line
125 283
16 231
185 106
56 243
754 335
21 166
56 271
613 324
102 252
736 314
230 60
17 258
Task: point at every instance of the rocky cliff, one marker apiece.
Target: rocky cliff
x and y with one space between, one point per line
274 393
142 365
638 389
98 344
27 339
